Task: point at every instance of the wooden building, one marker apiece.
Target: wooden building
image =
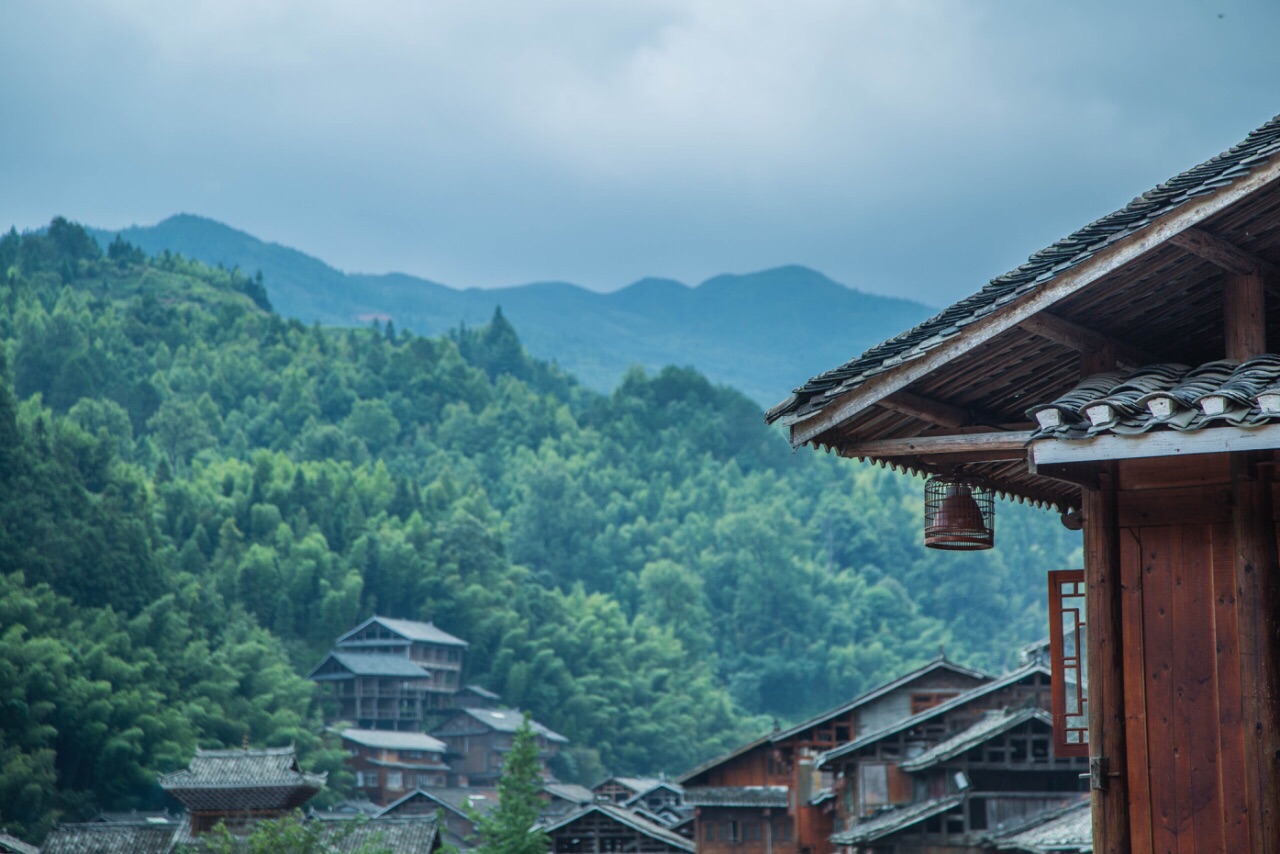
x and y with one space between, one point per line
604 828
785 759
436 651
478 739
239 786
388 763
1116 377
457 809
374 690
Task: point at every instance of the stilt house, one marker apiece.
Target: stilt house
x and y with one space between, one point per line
1122 376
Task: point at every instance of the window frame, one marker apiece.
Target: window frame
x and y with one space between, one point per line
1060 662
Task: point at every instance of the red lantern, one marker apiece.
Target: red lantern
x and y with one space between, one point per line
959 514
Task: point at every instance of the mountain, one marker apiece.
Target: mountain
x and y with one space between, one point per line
741 330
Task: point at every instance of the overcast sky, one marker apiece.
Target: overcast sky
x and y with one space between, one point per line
908 148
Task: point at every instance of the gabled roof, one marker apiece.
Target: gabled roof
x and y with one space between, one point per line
754 797
625 817
1069 830
386 739
458 801
479 692
404 835
1146 279
504 720
1010 678
939 663
673 788
370 664
635 784
237 779
111 838
411 630
894 820
571 792
990 725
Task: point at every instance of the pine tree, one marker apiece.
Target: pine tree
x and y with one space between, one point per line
509 829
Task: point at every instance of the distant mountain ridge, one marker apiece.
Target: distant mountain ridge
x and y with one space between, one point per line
762 333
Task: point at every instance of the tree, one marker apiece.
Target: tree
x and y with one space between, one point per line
291 834
510 829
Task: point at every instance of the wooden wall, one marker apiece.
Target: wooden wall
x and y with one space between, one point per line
1191 654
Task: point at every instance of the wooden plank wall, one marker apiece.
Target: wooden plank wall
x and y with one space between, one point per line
1191 761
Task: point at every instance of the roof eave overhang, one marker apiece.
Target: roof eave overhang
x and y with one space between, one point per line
805 430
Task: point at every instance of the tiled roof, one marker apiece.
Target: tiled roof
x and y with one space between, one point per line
480 692
894 820
1067 830
13 845
570 792
410 630
1010 678
460 801
1044 266
267 778
403 835
988 726
939 663
736 796
506 720
1169 396
626 817
390 740
111 838
371 664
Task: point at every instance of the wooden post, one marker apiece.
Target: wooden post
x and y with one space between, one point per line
1245 333
1107 750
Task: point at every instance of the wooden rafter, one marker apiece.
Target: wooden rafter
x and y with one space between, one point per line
1223 253
992 446
936 411
1084 339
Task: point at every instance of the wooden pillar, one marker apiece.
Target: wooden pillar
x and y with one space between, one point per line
1254 537
1107 749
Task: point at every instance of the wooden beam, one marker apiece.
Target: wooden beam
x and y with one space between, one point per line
1158 443
1086 340
938 412
1223 253
1069 282
1014 444
1244 311
1103 630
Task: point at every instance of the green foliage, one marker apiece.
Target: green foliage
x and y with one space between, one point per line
197 496
511 827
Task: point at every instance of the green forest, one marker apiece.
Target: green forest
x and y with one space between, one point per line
197 495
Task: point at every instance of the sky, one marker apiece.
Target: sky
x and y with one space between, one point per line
914 149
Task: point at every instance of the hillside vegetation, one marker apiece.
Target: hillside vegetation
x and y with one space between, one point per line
197 495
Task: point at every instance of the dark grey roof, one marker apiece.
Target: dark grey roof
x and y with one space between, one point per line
1010 678
265 778
480 692
372 664
410 630
13 845
505 720
1042 267
894 820
459 801
1160 397
626 817
758 797
111 838
386 739
939 663
570 792
403 835
988 726
1066 830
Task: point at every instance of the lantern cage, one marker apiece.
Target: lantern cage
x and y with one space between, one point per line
959 514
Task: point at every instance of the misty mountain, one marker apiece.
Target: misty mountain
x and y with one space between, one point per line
762 333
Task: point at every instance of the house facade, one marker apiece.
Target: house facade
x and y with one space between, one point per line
387 764
478 741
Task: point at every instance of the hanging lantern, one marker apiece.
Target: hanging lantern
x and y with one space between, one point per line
959 514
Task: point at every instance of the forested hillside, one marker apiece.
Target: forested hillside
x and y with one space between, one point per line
197 495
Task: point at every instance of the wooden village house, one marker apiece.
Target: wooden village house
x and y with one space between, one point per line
479 739
1122 376
388 763
605 828
760 797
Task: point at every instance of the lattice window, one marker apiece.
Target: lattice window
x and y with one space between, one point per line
1070 663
